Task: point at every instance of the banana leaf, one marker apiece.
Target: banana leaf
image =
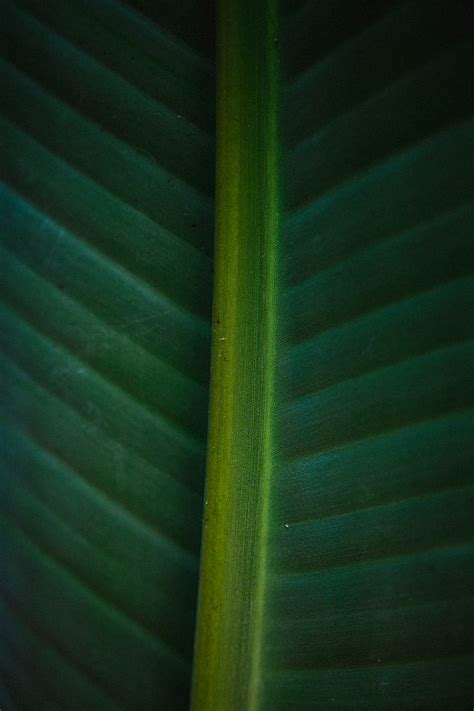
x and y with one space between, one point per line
106 169
326 514
337 566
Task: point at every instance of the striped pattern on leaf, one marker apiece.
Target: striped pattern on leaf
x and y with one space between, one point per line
106 170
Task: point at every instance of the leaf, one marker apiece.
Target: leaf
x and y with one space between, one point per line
337 556
106 215
336 568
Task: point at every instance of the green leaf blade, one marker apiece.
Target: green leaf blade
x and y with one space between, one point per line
364 544
107 224
372 546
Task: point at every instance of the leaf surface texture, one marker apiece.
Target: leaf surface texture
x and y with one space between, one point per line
361 525
107 152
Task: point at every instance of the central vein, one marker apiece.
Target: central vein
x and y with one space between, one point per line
229 660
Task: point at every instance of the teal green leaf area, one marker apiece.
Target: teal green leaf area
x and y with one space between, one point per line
372 594
106 224
337 568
